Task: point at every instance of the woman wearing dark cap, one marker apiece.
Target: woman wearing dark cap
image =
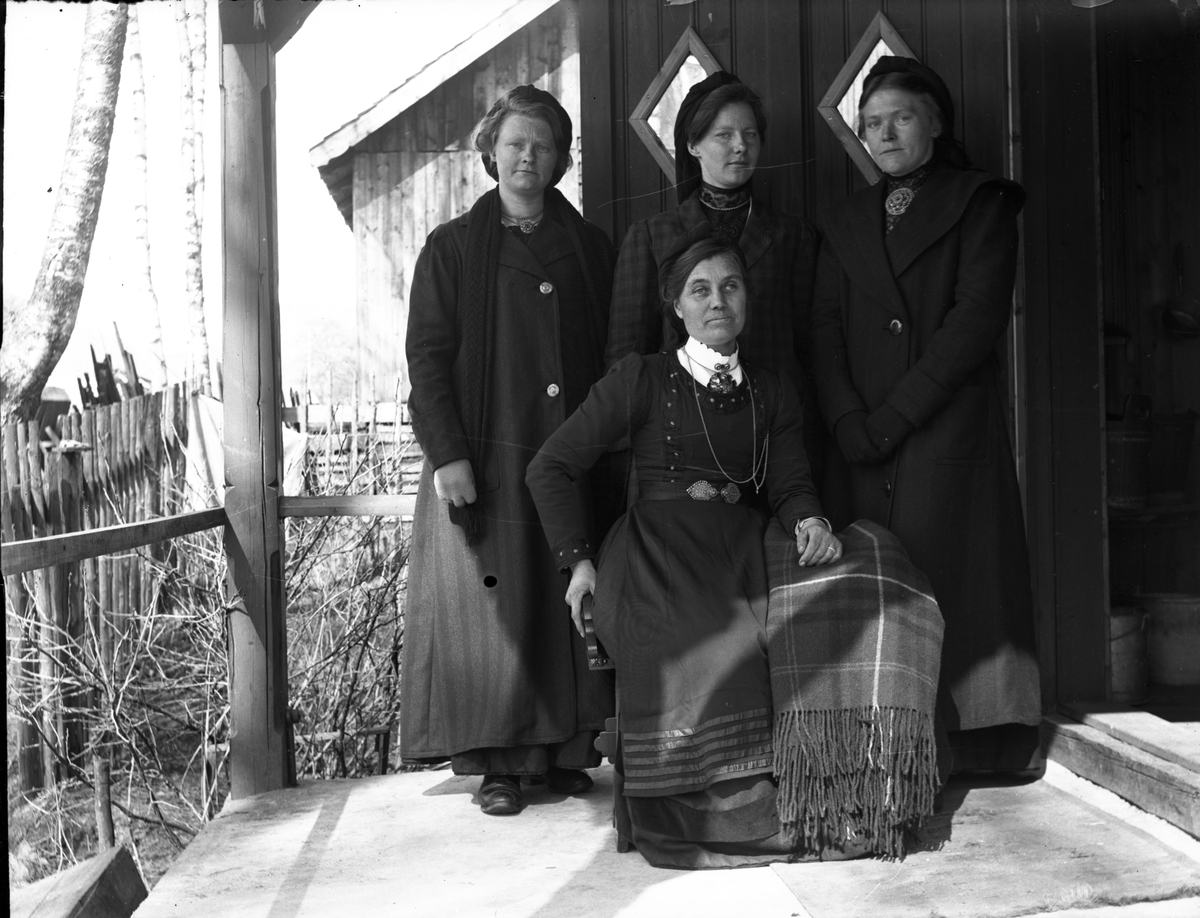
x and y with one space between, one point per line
914 290
681 593
506 331
719 132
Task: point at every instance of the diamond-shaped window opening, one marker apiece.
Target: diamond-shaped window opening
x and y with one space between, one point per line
653 118
840 105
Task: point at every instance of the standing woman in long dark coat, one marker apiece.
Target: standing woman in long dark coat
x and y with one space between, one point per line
506 334
914 290
719 133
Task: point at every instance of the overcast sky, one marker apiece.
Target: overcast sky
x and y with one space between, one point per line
346 57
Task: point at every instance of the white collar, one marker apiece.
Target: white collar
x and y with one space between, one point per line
699 359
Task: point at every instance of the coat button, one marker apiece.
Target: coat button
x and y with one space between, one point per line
895 327
887 488
552 390
546 287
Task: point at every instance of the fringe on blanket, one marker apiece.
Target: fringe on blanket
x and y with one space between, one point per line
862 776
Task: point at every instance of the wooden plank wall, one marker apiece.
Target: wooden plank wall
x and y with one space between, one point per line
419 171
1148 62
1065 489
789 53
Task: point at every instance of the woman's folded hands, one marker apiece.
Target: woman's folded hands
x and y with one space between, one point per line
887 428
854 440
869 439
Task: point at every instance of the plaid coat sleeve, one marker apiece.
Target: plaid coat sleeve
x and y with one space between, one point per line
635 320
790 488
781 253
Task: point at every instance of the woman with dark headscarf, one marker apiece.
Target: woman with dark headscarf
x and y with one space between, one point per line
914 290
506 331
719 132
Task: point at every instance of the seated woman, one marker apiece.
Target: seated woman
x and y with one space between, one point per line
681 593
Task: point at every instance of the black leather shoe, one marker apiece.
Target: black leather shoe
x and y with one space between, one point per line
500 795
567 780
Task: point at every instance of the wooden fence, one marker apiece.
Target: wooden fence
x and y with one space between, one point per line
347 443
102 492
109 465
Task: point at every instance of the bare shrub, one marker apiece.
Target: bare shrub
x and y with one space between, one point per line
156 706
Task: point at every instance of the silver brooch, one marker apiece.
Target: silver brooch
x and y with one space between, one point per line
721 381
898 201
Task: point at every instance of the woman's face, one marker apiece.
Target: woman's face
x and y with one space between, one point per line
729 151
524 155
712 303
899 130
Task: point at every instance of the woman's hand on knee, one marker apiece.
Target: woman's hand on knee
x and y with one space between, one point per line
454 483
815 544
583 583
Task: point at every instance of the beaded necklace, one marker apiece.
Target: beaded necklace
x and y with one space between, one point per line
525 224
724 199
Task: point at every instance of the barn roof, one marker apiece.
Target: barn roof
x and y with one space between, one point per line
331 155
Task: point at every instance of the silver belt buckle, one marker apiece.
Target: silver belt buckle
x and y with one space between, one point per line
704 490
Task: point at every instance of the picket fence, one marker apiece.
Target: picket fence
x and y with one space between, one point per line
107 465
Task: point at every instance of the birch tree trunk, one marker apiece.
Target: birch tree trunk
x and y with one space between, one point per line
200 367
36 335
141 212
197 30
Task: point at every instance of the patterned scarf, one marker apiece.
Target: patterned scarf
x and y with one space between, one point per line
727 209
855 652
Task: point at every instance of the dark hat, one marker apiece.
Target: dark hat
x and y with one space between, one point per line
531 94
934 83
687 170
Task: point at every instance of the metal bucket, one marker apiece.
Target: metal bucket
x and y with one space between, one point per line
1130 674
1173 637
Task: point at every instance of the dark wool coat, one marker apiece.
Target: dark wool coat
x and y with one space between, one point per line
490 655
912 320
781 256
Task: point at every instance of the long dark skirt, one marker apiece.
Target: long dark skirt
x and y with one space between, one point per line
681 603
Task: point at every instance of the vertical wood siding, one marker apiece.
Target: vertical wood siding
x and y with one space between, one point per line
419 171
789 53
1148 95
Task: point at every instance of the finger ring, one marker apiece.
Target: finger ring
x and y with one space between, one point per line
829 549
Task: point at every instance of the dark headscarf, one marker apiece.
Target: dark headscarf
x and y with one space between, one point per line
946 148
687 170
531 94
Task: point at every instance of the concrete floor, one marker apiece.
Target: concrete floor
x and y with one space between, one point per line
416 844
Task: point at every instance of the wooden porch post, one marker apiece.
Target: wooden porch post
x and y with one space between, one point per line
1063 319
253 452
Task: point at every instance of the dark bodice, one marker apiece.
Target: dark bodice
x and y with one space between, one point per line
690 433
651 402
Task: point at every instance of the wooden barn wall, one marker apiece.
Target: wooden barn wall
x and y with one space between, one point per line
1148 62
419 171
789 52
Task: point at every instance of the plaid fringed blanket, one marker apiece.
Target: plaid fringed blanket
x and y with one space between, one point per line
855 649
